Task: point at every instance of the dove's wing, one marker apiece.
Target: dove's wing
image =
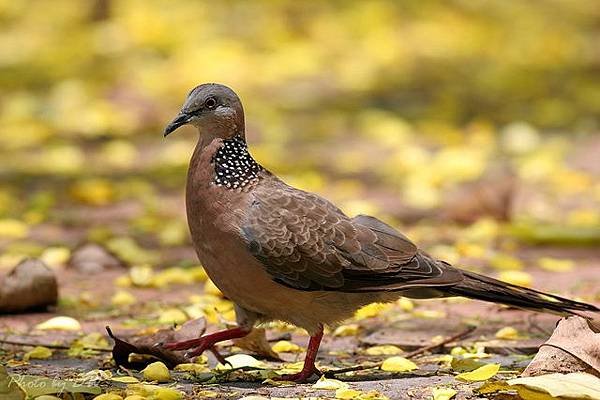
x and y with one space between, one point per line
307 243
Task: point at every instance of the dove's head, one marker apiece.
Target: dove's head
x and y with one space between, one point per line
212 108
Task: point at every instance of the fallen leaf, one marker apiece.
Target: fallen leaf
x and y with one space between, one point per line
30 285
60 323
157 371
211 288
577 385
172 316
125 379
405 304
193 368
38 353
384 350
241 361
55 257
371 310
516 277
398 364
573 347
505 262
284 346
507 333
13 229
347 394
480 374
108 396
256 342
465 364
135 397
346 330
122 298
443 393
329 384
149 345
141 275
556 264
165 393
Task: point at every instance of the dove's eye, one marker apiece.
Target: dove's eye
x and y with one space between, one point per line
210 103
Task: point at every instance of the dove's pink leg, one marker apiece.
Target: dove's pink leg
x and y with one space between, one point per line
309 367
207 341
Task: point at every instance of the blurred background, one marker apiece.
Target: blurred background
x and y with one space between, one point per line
478 120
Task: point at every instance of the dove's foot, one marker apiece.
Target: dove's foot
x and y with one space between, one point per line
309 369
207 342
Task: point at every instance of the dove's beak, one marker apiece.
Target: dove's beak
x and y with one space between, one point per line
179 120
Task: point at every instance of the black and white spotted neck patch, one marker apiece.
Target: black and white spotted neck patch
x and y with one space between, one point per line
234 166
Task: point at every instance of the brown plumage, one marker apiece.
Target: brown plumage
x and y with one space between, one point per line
280 253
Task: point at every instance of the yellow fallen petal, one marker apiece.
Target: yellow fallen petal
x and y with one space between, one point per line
507 333
122 298
141 275
108 396
405 304
135 397
211 288
458 351
207 394
123 281
516 278
125 379
198 274
505 262
384 350
192 367
347 394
480 374
398 364
284 346
371 310
95 192
443 393
56 256
329 384
172 276
38 353
172 316
164 393
556 264
429 314
157 371
13 229
60 324
346 330
240 361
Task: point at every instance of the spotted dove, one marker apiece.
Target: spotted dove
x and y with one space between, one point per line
280 253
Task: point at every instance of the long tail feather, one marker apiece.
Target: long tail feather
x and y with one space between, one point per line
481 287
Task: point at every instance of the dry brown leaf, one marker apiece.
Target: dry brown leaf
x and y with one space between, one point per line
573 347
256 342
148 345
